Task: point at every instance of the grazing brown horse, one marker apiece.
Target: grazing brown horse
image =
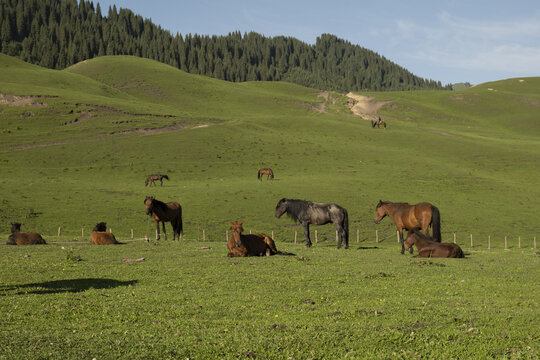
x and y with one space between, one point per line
155 177
19 238
429 248
249 245
100 236
408 217
171 211
266 171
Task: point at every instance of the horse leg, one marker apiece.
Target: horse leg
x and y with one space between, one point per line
306 234
402 241
157 230
164 232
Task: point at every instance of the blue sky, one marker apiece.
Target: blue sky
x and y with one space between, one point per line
450 41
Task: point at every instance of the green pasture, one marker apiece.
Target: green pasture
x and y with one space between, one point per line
109 122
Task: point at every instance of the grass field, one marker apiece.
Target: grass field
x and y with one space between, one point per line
83 155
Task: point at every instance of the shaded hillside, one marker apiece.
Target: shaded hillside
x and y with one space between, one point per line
57 34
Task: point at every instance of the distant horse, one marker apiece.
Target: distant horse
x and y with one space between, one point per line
307 212
409 217
100 236
155 177
429 248
19 238
249 245
378 123
266 171
171 211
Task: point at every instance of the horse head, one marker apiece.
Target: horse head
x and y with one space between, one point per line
380 212
236 226
15 227
281 208
100 227
149 201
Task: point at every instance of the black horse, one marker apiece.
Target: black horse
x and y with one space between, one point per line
307 212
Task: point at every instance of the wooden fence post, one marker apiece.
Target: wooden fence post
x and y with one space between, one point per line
295 233
132 233
110 230
454 238
336 236
59 231
377 236
397 236
272 234
489 242
519 242
535 242
471 241
357 235
226 235
505 243
82 233
204 235
316 237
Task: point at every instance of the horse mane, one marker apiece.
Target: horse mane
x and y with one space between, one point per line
295 207
101 227
161 204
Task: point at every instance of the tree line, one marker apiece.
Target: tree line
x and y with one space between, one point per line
59 33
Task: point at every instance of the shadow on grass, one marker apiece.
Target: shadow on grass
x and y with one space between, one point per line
63 286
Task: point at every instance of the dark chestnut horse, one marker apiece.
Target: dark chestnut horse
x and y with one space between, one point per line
165 212
151 179
409 217
19 238
429 248
307 212
100 236
266 171
249 245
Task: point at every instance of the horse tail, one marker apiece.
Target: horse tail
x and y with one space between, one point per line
435 223
346 226
259 175
165 177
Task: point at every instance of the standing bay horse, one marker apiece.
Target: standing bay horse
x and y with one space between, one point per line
409 217
171 211
429 248
155 177
307 212
19 238
266 171
249 245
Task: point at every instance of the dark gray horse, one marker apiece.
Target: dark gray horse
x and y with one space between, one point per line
307 212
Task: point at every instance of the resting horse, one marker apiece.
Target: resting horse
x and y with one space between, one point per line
249 245
19 238
429 248
266 171
307 212
100 236
408 217
171 211
155 177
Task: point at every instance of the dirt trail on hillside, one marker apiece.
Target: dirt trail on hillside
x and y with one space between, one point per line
365 106
20 100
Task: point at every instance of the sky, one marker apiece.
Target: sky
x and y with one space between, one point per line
451 41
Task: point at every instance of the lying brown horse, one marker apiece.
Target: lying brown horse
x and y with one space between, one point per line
429 248
19 238
249 245
169 212
100 236
266 171
408 217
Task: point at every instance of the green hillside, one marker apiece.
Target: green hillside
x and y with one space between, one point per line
76 147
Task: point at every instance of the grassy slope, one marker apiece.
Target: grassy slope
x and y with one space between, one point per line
473 153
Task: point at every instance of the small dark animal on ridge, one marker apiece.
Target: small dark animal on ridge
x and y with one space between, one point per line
100 236
429 248
266 171
155 177
249 245
19 238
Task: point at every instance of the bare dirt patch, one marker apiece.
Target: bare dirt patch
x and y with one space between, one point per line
365 106
21 100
